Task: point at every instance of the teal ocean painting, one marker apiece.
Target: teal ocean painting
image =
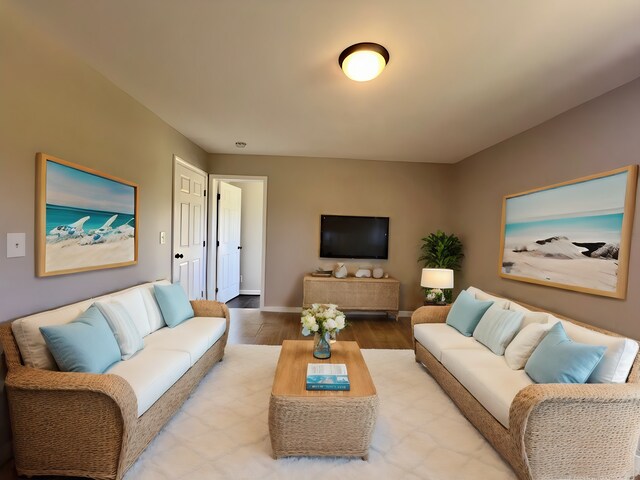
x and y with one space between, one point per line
570 235
89 219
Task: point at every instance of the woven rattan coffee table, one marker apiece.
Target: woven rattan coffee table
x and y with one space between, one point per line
321 423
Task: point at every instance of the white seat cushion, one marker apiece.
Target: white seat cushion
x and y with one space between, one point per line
483 296
529 315
618 357
436 337
151 372
488 378
193 336
30 341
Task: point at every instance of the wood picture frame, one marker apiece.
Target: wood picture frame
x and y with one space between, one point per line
85 219
574 235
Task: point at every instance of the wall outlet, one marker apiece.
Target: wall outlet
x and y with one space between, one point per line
163 238
15 245
240 278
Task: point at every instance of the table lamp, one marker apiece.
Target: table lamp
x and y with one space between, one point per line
440 278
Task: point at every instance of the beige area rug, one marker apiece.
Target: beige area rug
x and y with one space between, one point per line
221 432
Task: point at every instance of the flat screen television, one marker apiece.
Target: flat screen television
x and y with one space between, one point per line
354 237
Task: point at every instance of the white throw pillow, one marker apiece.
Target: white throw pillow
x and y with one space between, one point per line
522 346
618 357
133 303
482 296
123 327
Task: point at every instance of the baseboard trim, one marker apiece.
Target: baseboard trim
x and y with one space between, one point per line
401 313
250 292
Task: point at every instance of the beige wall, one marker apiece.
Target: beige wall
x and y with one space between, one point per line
53 103
413 195
251 230
595 137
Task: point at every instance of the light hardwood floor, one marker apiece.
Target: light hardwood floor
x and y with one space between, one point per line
269 328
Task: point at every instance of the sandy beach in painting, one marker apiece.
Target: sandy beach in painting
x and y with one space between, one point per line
69 254
562 262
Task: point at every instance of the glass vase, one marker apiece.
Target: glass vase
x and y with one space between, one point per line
321 346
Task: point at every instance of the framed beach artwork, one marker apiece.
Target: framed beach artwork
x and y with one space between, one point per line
85 219
574 235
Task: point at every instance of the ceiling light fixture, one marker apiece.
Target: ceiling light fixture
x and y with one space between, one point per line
363 61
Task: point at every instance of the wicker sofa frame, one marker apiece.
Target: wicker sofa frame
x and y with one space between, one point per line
86 425
556 431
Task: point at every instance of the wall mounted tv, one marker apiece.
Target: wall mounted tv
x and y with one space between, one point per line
354 237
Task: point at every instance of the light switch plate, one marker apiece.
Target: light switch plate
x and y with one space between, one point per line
16 245
163 238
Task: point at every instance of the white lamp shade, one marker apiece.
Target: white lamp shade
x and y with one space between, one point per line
363 65
363 61
437 278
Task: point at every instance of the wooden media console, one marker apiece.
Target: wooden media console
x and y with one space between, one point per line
351 293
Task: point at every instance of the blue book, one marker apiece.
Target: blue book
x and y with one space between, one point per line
327 376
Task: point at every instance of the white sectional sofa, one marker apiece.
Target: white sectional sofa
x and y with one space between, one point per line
97 424
545 431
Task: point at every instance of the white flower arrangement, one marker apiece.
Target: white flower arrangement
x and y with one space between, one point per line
435 295
322 318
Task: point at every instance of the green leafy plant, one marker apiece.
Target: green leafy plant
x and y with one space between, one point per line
440 250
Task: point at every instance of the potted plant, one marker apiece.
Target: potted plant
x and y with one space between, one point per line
440 250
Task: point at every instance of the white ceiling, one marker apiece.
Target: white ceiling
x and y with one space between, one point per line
463 74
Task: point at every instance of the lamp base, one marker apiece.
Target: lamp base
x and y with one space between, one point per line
440 304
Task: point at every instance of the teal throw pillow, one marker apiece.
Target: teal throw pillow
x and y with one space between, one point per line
466 312
497 328
558 359
85 345
174 304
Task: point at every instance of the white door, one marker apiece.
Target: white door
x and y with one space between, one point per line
189 232
229 207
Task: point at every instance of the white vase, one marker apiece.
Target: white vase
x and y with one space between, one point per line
340 271
378 272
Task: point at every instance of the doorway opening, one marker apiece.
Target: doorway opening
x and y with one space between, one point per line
237 240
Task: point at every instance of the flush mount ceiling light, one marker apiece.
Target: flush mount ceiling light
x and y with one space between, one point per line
363 61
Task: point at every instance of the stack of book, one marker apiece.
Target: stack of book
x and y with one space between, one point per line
322 273
327 376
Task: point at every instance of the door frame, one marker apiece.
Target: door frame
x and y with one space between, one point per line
212 229
205 250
